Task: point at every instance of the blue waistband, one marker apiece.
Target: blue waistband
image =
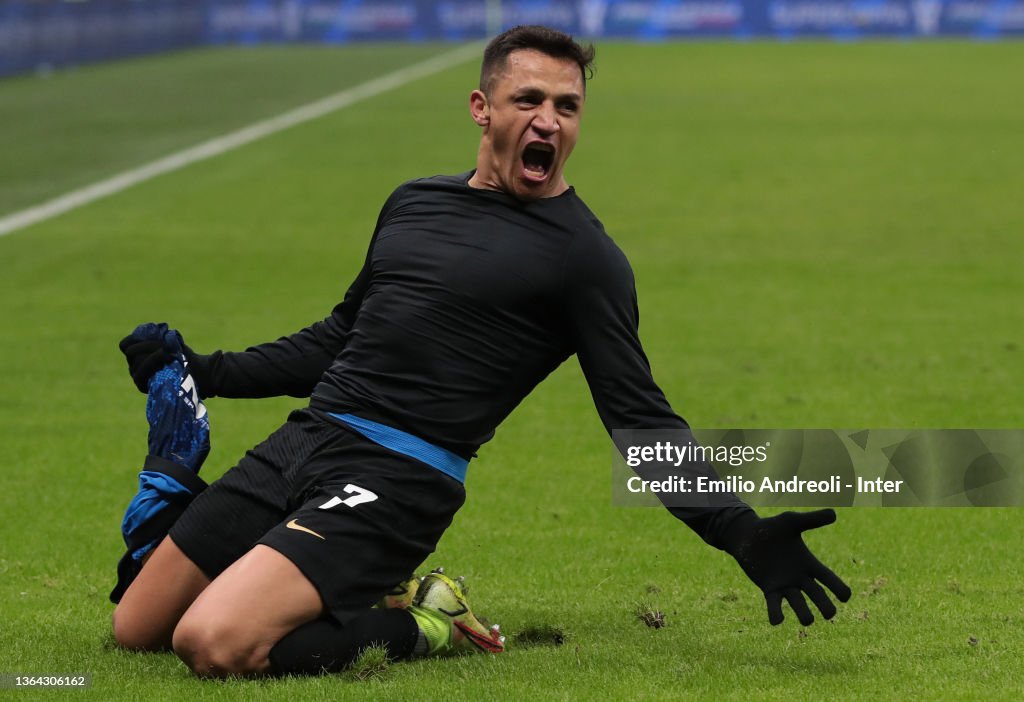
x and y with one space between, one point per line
408 445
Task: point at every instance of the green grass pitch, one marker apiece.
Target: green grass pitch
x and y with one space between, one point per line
824 235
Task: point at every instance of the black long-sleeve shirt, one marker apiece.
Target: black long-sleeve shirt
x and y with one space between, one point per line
467 299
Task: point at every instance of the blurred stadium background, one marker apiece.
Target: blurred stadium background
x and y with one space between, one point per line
40 34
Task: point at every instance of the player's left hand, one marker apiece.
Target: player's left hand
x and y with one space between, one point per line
773 554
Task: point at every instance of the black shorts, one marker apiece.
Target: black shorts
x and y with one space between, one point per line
356 518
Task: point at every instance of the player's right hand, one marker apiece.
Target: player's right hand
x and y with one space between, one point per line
148 349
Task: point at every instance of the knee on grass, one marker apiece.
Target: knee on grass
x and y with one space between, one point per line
136 634
218 651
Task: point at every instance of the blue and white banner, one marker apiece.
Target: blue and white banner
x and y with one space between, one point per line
413 20
44 33
40 33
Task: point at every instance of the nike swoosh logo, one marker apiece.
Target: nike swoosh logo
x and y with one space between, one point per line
294 524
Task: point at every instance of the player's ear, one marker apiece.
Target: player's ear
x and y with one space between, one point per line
480 108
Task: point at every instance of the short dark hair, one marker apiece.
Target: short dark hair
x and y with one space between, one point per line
543 39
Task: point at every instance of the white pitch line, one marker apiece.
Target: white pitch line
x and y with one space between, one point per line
218 145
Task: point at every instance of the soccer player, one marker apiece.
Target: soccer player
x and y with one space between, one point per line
475 287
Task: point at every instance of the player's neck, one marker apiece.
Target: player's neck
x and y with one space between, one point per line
485 178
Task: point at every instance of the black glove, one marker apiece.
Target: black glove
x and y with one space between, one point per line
772 553
149 348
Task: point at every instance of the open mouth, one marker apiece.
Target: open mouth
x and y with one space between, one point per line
538 157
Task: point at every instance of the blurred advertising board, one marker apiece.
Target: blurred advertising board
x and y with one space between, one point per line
39 34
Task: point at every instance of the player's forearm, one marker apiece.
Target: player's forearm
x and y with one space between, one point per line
292 365
261 371
712 525
709 514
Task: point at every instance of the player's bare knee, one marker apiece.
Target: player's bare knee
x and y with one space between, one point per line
132 633
125 634
215 651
